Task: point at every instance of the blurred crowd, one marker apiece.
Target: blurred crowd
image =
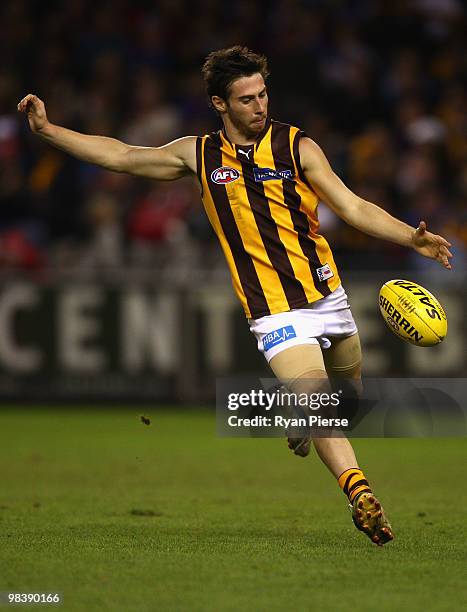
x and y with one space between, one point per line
380 85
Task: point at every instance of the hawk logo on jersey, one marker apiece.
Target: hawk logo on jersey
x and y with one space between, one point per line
268 174
224 175
324 273
277 336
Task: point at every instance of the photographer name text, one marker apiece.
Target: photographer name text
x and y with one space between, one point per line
280 421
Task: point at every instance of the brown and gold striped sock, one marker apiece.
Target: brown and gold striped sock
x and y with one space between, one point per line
353 482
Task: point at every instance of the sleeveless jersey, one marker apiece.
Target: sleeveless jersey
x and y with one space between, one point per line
264 213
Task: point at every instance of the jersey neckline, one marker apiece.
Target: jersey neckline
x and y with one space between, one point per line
256 144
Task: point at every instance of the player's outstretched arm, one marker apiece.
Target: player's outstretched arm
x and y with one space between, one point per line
364 215
169 162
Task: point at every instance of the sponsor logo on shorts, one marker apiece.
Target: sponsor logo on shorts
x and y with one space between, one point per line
278 336
224 175
269 174
324 272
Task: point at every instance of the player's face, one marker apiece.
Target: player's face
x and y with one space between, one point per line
247 104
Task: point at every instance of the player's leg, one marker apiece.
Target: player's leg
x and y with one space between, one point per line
289 342
296 368
303 370
343 361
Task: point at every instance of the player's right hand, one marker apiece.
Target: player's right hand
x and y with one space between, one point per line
35 109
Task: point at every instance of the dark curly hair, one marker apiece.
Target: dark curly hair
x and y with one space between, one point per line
221 68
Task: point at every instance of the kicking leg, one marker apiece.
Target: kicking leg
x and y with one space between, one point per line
343 361
303 370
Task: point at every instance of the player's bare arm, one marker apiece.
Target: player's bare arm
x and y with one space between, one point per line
167 163
364 215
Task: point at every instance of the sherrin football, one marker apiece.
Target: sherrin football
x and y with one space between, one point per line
412 313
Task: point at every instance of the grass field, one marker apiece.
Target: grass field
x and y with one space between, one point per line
116 515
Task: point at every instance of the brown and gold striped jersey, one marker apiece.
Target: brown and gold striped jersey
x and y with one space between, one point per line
264 213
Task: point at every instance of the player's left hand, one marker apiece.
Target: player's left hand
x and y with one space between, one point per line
432 246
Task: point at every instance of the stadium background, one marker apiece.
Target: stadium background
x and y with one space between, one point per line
113 288
93 260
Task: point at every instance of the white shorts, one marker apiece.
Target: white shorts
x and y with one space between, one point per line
314 324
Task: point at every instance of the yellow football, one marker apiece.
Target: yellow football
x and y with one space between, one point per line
412 313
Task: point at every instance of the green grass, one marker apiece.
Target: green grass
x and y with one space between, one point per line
236 524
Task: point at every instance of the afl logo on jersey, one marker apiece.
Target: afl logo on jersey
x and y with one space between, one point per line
224 175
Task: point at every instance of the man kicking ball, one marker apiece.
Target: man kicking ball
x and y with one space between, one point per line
261 182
